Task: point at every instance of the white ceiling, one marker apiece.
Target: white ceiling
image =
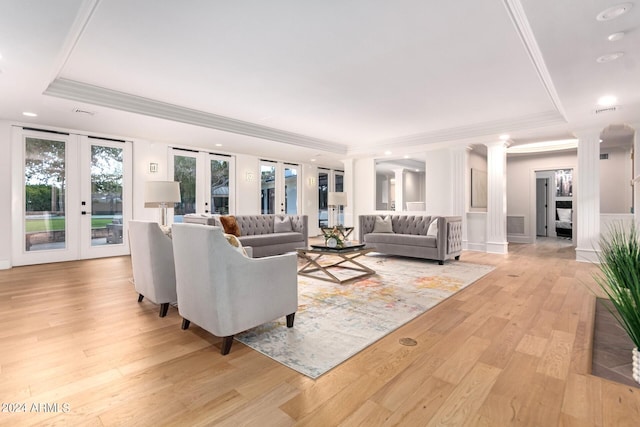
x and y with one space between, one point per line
295 80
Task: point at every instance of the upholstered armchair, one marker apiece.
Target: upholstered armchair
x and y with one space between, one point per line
154 274
225 292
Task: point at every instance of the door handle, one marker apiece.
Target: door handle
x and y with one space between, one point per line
85 212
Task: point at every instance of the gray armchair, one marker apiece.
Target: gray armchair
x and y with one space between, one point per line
154 274
225 292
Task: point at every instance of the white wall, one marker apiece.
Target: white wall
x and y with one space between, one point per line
309 194
364 179
414 187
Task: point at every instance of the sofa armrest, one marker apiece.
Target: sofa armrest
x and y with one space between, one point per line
366 224
449 241
300 224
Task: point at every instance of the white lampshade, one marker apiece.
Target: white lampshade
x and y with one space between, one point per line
337 199
158 193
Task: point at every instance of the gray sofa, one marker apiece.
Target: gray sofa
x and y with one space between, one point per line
409 237
257 232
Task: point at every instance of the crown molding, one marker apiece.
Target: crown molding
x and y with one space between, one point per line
519 19
96 95
469 132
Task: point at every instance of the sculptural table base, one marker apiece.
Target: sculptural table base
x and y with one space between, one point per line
345 259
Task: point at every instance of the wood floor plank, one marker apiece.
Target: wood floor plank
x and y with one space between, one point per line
513 348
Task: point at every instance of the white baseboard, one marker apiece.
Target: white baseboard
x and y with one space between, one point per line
477 247
497 248
518 238
587 255
5 264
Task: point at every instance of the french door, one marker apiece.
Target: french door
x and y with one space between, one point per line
207 183
279 187
328 181
72 197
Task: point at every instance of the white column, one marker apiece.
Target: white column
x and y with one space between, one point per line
636 171
587 188
459 187
497 198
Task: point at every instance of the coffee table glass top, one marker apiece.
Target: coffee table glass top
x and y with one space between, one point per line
347 248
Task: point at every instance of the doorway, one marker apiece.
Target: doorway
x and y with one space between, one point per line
73 196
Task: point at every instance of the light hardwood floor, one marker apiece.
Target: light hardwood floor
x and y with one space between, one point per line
513 348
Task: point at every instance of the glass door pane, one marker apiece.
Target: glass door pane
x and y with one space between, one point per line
268 188
323 191
291 189
220 183
45 194
107 177
184 171
339 188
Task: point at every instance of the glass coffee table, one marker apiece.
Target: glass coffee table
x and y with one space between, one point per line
344 258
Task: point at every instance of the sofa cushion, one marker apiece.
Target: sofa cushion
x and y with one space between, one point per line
383 225
235 242
272 239
401 239
433 228
282 224
230 225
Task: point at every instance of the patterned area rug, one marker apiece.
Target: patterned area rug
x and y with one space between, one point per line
334 322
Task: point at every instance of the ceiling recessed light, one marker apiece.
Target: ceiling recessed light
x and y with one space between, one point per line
615 36
504 137
218 145
313 160
29 114
387 153
609 57
607 101
614 11
406 156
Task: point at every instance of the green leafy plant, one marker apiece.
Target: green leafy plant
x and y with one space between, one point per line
620 276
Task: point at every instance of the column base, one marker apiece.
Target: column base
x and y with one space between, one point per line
497 247
587 255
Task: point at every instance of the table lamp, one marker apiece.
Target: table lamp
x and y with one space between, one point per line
161 194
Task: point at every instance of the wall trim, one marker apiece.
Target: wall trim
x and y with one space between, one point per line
5 264
518 238
497 248
587 255
96 95
476 247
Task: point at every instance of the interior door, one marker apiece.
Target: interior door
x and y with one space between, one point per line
542 201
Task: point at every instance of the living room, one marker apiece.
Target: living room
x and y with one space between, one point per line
322 89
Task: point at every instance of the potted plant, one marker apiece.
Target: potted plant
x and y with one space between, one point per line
619 258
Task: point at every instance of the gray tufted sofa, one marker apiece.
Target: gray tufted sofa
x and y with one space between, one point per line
409 237
257 231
